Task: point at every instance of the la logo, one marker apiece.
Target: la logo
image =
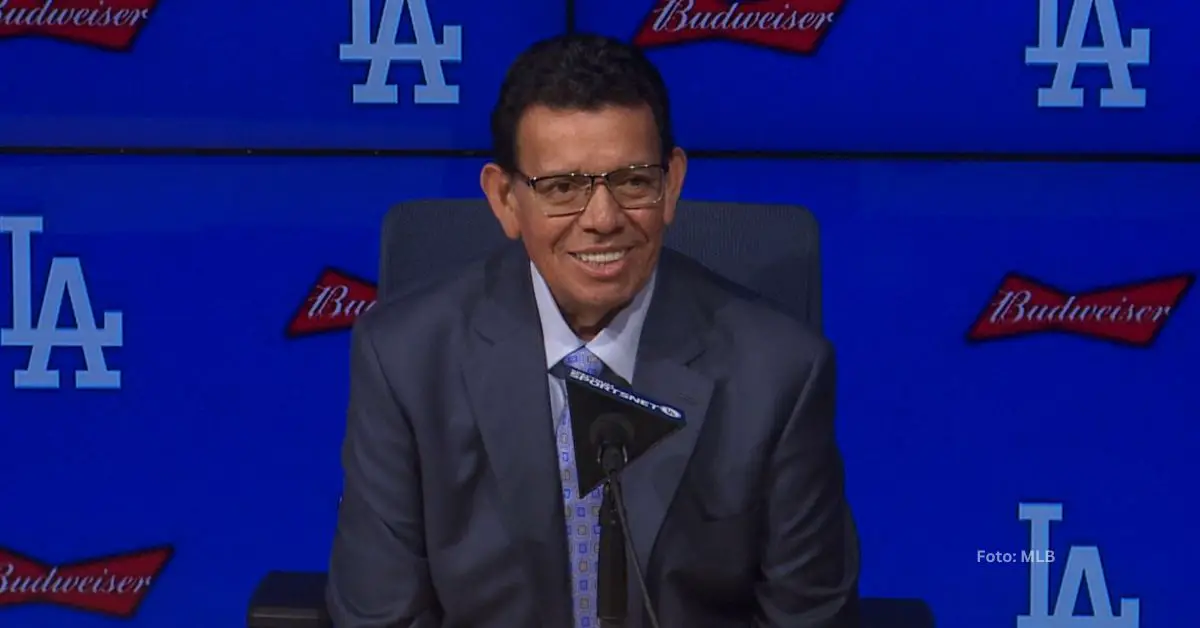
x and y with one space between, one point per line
1067 58
65 281
1083 564
382 50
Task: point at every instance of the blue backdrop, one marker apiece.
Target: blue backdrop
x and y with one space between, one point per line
223 438
923 75
229 73
927 75
220 445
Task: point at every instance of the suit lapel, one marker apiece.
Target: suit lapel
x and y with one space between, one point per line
505 375
671 340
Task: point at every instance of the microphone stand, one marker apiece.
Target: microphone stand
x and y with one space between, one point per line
612 602
613 579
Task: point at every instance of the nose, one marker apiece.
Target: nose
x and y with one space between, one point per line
602 213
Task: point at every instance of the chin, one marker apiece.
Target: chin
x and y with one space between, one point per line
602 297
605 296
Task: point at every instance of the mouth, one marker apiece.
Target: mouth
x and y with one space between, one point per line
603 264
601 258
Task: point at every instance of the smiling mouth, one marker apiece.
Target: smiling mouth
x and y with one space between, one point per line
600 259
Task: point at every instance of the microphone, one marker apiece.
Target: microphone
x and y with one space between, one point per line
619 426
609 435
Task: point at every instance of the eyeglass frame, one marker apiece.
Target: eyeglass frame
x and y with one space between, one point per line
532 181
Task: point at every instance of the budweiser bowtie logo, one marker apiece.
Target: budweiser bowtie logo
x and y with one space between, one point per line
1131 314
333 304
107 24
788 25
112 585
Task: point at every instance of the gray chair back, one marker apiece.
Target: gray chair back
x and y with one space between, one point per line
771 249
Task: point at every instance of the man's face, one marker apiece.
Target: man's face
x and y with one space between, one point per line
597 260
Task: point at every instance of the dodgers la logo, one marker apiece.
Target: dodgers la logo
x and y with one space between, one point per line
65 281
1072 53
1083 564
382 50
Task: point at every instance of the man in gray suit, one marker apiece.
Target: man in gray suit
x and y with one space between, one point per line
460 509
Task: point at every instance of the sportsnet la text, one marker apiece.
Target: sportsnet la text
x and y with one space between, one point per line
624 395
64 281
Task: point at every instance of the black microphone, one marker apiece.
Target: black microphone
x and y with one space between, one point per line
609 435
619 426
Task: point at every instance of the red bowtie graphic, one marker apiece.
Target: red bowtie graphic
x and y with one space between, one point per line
111 585
1131 314
334 303
789 25
107 24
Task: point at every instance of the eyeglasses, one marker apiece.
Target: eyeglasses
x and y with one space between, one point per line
632 187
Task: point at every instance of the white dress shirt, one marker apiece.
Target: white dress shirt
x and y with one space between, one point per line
616 345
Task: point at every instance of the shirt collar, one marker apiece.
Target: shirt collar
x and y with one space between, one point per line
616 345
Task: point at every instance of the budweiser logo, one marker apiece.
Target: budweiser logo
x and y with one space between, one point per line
112 585
1131 314
107 24
788 25
333 304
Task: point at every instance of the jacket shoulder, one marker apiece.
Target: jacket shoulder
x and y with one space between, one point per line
746 321
431 308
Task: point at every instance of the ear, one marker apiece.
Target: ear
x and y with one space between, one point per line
676 173
498 188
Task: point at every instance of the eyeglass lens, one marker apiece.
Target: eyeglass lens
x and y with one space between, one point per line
632 188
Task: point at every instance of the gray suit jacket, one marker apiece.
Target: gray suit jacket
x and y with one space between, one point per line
452 514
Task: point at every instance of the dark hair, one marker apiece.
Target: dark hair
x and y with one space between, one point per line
580 72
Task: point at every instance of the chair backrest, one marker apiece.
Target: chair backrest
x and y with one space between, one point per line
771 249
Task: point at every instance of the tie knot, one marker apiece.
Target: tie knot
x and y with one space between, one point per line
583 360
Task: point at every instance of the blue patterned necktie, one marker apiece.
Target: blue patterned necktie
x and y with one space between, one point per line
582 511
